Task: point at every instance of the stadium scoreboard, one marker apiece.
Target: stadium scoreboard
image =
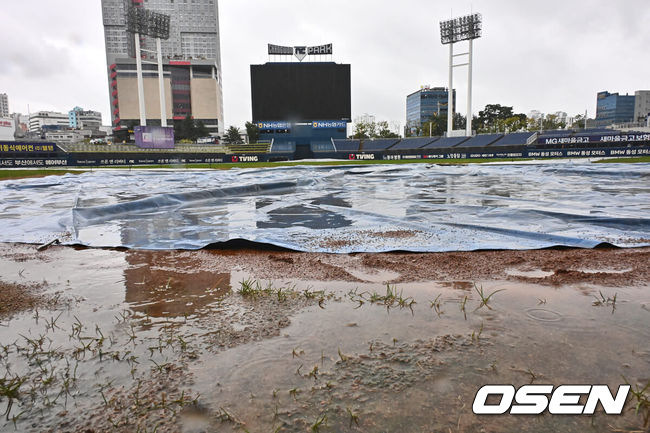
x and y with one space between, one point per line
301 91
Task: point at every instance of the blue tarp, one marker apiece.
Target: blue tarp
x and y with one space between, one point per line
413 207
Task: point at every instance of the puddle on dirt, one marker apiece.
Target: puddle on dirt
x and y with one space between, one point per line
606 271
534 273
168 341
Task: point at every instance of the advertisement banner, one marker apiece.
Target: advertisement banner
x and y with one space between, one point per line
154 137
274 125
328 124
27 147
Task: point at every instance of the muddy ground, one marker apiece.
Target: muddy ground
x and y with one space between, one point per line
263 341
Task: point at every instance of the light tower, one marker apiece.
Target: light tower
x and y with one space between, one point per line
144 22
465 28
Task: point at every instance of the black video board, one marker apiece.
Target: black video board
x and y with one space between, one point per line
300 91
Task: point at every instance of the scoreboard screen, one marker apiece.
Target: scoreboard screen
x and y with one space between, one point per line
300 91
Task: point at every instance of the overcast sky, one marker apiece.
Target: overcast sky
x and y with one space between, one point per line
550 56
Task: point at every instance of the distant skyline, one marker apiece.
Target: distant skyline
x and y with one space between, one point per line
551 56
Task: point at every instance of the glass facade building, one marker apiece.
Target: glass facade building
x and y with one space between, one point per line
191 63
614 108
422 105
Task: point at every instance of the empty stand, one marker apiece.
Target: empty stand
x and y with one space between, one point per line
347 145
378 144
413 143
446 142
514 139
481 140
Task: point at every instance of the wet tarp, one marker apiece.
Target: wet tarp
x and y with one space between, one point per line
412 207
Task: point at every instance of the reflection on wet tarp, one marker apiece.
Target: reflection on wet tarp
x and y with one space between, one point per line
414 207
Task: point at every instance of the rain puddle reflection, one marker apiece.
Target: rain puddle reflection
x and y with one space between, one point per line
168 341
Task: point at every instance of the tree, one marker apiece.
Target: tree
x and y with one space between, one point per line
384 131
578 121
488 118
364 130
253 132
436 126
187 128
233 136
459 120
201 130
551 121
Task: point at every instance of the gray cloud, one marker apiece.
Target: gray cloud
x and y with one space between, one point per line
552 55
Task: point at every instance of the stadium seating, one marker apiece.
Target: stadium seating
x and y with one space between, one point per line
322 146
544 135
283 147
481 140
446 142
514 139
347 145
378 144
413 143
555 132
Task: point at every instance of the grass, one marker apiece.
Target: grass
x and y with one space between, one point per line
24 173
485 298
390 299
320 422
642 397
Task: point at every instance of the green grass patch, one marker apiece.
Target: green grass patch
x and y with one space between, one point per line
625 160
20 174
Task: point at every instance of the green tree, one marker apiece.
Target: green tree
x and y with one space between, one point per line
383 130
233 136
253 132
436 126
187 128
578 121
364 130
459 120
489 118
551 121
201 130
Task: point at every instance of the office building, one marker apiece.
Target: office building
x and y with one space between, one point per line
425 103
4 105
191 63
613 108
641 105
47 120
78 118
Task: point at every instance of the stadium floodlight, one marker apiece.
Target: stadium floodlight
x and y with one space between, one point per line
148 23
466 28
143 22
461 29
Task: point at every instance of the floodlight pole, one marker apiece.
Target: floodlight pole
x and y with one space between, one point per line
468 121
450 92
138 63
161 83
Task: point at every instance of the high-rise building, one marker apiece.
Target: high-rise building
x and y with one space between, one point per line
191 64
425 103
641 105
4 105
614 108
